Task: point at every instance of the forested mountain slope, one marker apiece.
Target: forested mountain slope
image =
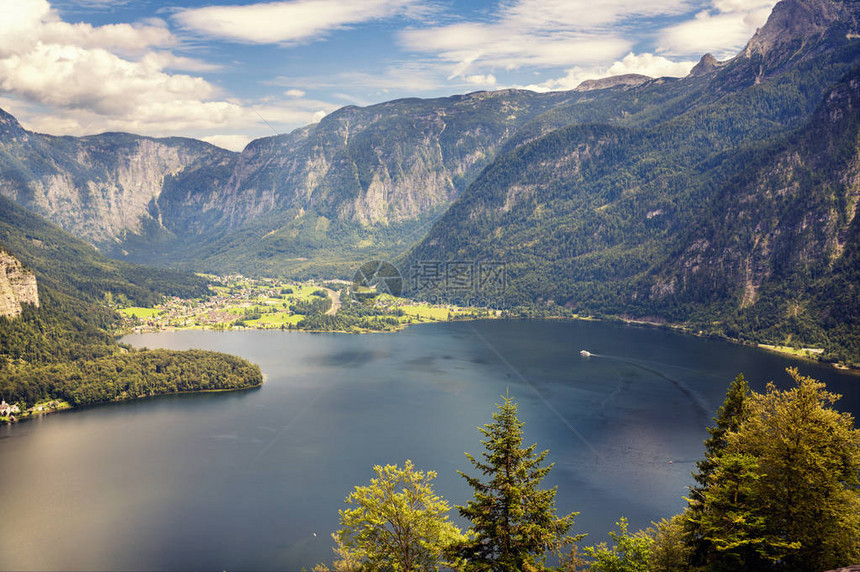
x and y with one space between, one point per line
734 214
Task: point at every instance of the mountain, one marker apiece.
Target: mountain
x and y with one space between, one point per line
99 187
722 200
729 207
362 183
363 180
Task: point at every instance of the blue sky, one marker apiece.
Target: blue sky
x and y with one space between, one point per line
231 71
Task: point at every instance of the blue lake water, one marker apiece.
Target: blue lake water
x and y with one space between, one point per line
253 480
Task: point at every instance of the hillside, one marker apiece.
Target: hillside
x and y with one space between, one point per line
57 344
99 188
362 183
734 215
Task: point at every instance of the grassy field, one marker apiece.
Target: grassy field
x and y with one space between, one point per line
141 313
808 353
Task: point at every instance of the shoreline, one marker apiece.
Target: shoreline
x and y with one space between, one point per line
804 354
64 406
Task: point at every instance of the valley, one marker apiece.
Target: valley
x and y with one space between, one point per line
724 201
605 249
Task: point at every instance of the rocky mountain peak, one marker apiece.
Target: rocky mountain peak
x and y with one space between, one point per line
706 65
803 20
8 124
625 80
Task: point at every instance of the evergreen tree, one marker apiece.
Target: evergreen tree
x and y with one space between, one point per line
729 417
630 553
513 520
669 552
784 493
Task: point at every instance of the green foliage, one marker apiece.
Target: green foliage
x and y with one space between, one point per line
513 520
129 375
784 491
63 348
630 553
729 417
395 523
670 552
315 305
352 316
69 266
732 522
723 207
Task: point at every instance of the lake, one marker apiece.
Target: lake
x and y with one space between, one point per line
254 479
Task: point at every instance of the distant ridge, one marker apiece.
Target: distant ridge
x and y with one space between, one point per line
625 80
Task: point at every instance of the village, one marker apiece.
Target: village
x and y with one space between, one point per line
240 302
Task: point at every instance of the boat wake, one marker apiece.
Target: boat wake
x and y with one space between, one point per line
702 406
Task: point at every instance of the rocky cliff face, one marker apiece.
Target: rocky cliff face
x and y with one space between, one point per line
379 165
804 21
17 286
623 81
98 187
396 163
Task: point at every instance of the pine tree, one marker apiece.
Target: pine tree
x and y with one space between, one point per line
513 520
729 417
784 493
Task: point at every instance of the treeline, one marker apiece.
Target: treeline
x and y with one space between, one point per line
129 375
778 490
68 265
351 316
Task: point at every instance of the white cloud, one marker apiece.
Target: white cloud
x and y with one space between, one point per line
413 77
225 124
643 64
538 33
121 37
488 80
722 30
79 79
583 14
231 142
650 65
286 22
294 93
26 22
75 77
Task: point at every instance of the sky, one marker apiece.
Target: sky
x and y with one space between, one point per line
231 71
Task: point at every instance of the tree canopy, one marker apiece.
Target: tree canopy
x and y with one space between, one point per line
513 519
784 492
395 523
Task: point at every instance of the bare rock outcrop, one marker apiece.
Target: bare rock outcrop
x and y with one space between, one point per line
17 286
